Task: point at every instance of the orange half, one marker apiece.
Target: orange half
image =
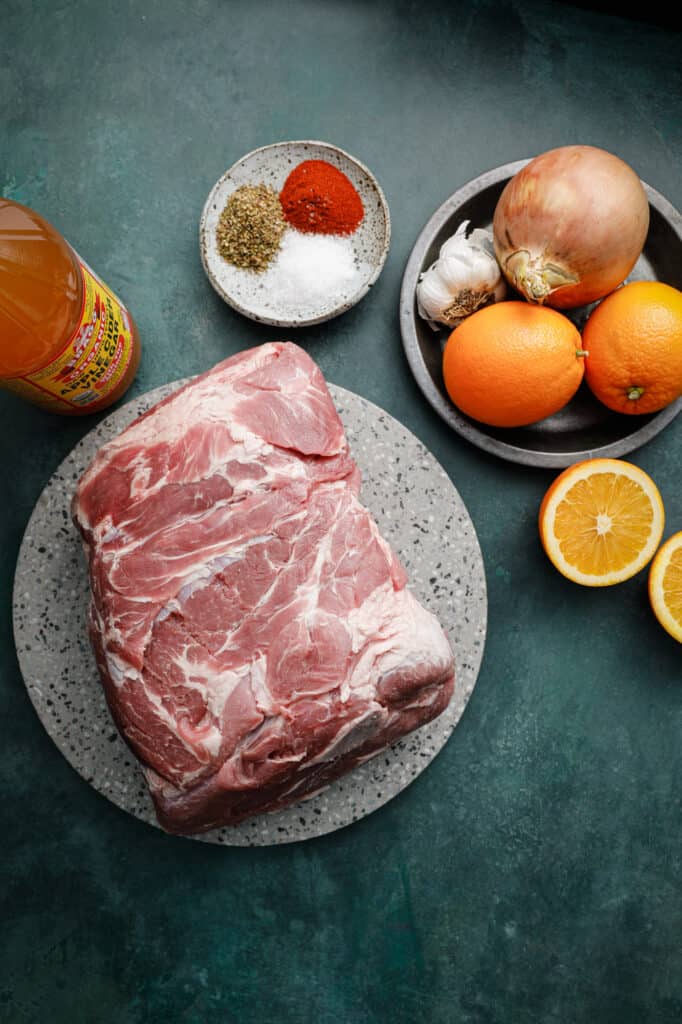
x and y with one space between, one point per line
601 521
665 585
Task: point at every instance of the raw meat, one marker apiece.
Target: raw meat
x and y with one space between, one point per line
253 631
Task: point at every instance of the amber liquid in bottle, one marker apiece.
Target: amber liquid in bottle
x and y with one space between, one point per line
67 343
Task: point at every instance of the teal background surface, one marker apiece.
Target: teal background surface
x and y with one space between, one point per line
531 875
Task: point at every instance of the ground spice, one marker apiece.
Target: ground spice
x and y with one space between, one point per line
318 197
250 227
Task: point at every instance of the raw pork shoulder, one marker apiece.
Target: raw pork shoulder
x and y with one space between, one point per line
253 630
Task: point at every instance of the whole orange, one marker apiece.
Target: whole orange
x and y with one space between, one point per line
513 363
634 343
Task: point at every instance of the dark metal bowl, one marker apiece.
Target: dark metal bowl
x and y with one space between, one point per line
582 429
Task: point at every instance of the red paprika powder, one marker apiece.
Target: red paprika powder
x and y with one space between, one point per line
317 197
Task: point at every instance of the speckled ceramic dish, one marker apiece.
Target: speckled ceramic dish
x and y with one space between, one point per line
584 428
419 512
247 291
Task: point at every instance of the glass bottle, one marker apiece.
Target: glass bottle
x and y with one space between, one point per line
67 342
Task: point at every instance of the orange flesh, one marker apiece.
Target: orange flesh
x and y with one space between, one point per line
672 586
586 539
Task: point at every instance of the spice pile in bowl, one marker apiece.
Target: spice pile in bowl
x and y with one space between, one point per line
250 227
297 238
294 242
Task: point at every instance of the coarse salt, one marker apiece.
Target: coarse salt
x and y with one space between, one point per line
312 271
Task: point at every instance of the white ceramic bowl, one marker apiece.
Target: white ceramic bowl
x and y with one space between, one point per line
245 290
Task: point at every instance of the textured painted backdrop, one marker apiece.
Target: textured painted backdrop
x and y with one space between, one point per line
532 873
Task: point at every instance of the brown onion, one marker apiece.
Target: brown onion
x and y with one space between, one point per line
570 225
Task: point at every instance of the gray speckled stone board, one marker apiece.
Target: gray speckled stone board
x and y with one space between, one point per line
418 511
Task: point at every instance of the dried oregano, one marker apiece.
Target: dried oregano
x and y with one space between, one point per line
250 227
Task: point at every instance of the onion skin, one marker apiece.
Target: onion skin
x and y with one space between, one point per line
570 225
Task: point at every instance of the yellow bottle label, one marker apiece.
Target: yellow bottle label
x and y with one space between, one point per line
93 360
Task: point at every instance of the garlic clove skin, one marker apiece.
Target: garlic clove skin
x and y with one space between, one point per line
465 277
433 294
476 270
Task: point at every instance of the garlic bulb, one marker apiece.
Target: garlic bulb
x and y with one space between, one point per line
465 277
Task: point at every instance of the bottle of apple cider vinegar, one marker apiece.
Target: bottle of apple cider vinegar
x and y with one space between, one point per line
67 343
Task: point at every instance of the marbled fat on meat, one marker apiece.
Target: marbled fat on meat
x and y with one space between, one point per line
253 631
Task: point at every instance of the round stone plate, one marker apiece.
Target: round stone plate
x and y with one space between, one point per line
246 291
418 511
584 428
